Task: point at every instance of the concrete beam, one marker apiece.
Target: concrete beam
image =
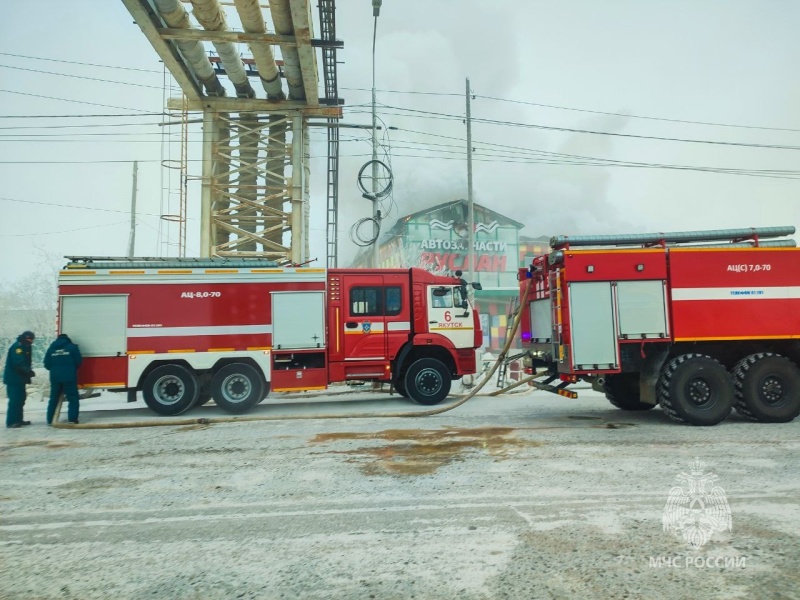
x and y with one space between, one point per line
239 37
167 51
201 35
301 20
235 105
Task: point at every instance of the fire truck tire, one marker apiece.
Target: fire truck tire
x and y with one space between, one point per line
767 388
695 389
170 389
400 387
427 381
204 397
623 392
236 388
265 393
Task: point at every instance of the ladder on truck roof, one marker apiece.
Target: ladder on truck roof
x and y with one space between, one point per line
110 262
734 238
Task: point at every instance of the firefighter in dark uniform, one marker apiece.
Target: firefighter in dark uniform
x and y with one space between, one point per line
62 359
16 375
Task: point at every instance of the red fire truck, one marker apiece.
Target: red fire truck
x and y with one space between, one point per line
679 321
184 331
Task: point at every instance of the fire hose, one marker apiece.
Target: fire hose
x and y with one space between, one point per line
368 415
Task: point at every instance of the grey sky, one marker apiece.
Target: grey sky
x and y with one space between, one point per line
725 62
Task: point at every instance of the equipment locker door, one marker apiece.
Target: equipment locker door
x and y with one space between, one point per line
364 324
98 324
298 320
592 325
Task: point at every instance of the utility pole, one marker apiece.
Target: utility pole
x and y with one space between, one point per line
132 236
471 217
376 227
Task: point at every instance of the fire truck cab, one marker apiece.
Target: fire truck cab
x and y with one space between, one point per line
184 331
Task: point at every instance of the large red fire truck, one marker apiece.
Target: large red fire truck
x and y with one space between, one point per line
184 331
698 330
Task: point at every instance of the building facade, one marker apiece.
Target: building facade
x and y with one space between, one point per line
437 239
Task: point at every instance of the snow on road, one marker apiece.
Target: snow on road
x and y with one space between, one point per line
519 496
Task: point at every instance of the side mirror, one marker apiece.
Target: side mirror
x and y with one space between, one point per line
477 286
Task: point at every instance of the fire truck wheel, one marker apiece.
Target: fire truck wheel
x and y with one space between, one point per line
427 381
400 387
265 393
767 388
204 397
237 388
170 389
695 389
623 392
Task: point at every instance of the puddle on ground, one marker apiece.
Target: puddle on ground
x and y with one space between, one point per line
56 445
40 443
424 451
194 427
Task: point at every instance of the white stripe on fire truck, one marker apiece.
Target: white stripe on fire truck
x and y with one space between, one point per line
753 293
399 325
373 327
146 332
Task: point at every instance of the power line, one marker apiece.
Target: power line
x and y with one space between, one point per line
517 160
86 126
402 92
75 101
71 76
630 116
554 158
593 132
66 230
53 204
73 62
78 162
585 110
139 114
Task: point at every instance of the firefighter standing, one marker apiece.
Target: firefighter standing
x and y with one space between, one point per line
62 360
16 375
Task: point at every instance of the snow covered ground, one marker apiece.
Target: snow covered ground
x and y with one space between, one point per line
524 495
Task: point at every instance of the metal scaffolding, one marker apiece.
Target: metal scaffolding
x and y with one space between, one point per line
254 188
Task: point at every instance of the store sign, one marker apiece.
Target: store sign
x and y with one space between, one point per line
454 261
477 246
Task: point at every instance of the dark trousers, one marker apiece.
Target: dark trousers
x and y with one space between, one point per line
70 390
16 401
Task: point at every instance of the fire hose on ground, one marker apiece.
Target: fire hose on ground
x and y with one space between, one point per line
368 415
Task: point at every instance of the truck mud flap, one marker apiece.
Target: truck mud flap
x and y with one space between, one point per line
651 369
